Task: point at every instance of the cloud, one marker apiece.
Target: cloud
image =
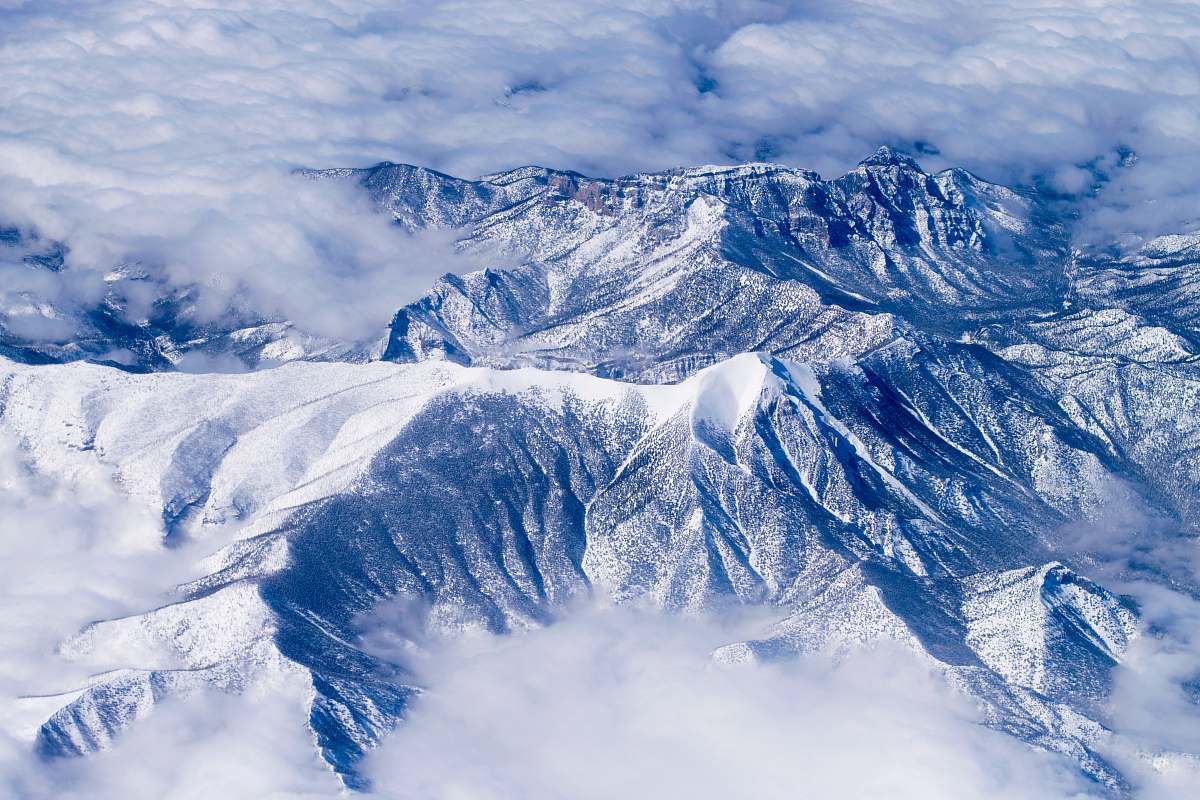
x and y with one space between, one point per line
1155 702
73 549
161 131
1126 539
1154 707
262 242
1014 90
60 568
203 746
616 702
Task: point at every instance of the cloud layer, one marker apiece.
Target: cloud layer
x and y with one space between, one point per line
160 130
613 703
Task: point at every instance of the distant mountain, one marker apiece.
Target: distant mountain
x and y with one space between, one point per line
868 403
142 321
652 277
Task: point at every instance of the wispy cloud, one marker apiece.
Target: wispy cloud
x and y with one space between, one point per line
1154 705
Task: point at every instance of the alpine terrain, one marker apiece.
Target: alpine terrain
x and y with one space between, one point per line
871 404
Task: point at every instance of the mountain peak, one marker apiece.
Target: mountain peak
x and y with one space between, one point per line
888 157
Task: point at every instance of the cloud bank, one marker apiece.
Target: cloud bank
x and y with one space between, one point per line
160 131
614 702
74 549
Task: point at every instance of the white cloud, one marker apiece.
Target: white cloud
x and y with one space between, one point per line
1154 707
616 702
1155 704
162 129
1125 537
59 569
203 746
1007 88
74 549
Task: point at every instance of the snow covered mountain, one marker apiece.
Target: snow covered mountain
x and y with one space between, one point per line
868 403
653 276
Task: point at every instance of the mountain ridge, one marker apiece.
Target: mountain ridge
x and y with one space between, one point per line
868 403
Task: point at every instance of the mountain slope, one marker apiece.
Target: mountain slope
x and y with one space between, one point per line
651 277
869 404
741 485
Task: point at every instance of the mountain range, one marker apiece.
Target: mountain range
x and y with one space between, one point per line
871 404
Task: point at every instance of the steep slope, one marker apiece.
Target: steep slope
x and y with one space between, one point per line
870 404
756 481
651 277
